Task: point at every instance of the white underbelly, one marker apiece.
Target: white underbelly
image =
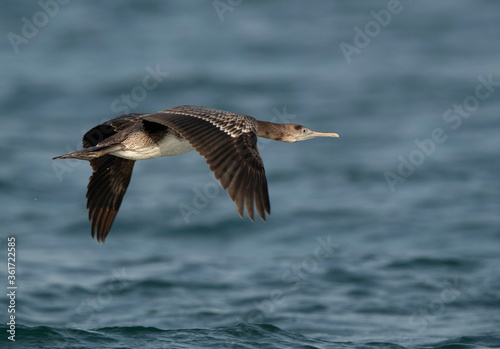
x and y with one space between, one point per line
170 146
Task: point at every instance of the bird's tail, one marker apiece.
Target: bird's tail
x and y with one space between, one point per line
92 152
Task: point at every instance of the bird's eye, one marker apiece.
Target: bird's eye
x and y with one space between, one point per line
303 130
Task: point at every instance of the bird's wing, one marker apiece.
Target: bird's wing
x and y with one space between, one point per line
107 129
228 142
110 177
105 191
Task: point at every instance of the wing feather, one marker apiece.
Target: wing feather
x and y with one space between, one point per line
228 142
107 186
110 178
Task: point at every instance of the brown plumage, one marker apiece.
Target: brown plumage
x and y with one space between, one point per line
228 142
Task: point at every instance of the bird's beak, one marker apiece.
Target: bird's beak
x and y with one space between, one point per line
312 134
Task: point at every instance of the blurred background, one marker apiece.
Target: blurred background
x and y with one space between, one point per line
387 236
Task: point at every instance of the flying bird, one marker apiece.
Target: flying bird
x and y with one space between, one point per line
228 142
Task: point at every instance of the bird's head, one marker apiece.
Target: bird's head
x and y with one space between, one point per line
296 133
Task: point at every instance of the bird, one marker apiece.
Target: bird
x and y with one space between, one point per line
227 140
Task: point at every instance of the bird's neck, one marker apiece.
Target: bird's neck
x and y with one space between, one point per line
270 130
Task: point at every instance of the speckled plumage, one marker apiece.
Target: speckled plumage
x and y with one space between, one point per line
231 123
228 142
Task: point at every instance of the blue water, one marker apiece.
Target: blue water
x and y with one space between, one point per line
388 237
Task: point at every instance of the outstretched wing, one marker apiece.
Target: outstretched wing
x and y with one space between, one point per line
228 141
105 191
110 177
